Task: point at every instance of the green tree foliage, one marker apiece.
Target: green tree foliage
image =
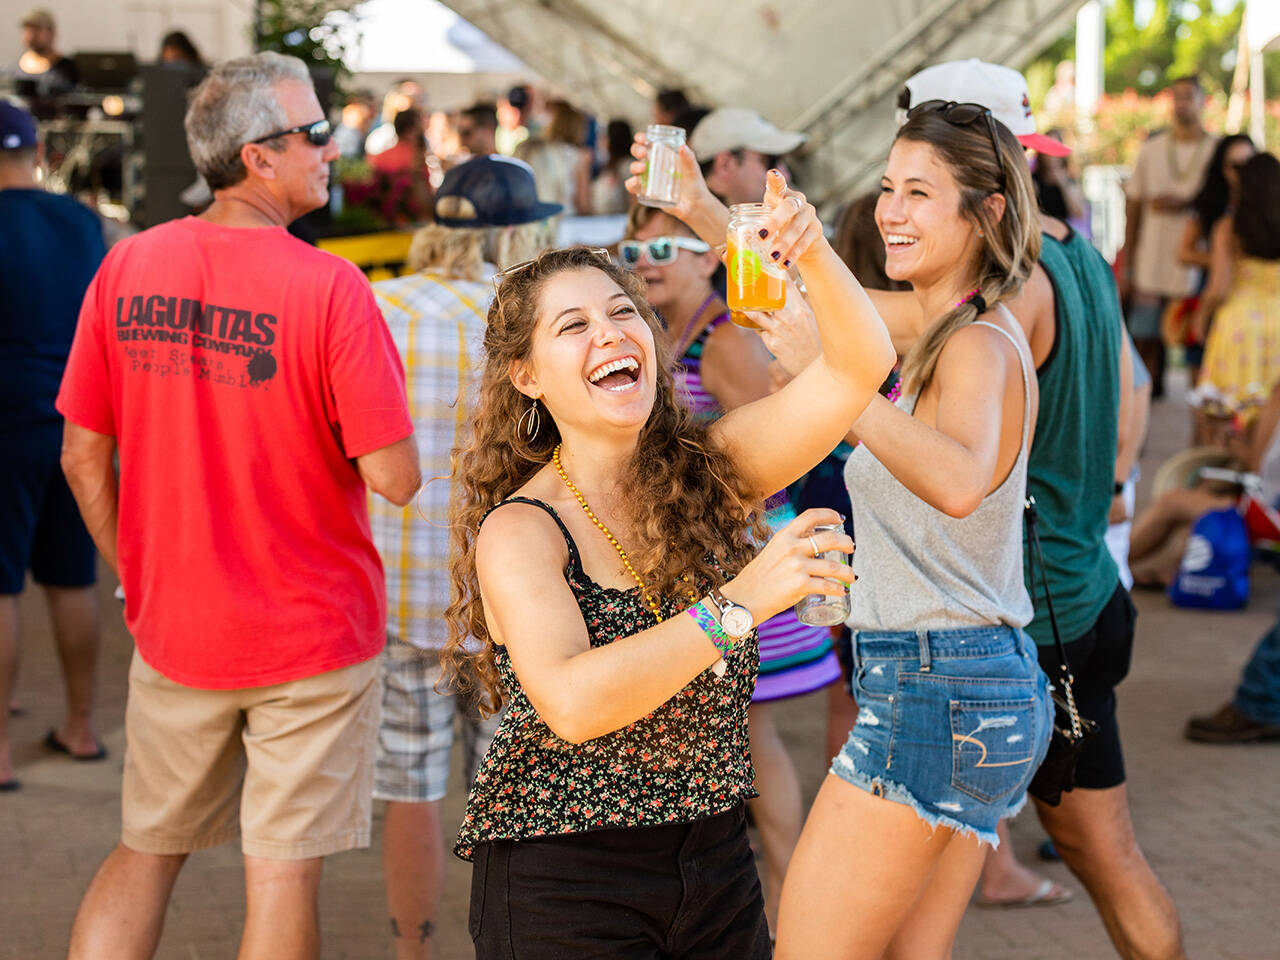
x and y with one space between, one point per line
1139 57
1181 37
316 31
1206 44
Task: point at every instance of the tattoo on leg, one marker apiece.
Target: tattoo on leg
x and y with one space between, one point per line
395 928
425 930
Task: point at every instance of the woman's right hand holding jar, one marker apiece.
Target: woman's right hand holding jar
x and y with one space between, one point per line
694 203
790 567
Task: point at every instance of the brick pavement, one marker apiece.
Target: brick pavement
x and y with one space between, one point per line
1208 817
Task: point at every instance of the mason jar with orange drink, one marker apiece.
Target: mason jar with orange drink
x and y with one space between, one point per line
755 282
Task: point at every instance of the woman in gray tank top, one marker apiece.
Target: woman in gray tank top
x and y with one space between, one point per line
954 711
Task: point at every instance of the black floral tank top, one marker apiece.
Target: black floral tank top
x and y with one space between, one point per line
687 760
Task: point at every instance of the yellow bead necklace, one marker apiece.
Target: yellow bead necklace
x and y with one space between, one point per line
626 562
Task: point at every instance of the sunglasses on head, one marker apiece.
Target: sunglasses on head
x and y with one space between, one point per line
502 275
318 133
659 251
961 115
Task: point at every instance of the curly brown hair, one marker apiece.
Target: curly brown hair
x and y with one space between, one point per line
693 515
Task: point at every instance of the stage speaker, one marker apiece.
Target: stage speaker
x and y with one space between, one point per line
167 168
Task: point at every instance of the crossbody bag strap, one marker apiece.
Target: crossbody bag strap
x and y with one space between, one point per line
1035 557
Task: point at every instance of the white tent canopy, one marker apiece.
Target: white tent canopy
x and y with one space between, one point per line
410 36
831 68
1262 24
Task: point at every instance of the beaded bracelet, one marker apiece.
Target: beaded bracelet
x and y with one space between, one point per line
711 627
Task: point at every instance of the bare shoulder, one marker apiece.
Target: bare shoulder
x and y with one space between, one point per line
1055 228
978 350
730 332
1034 302
523 534
729 337
1224 230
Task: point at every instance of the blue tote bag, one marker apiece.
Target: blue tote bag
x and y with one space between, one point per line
1214 574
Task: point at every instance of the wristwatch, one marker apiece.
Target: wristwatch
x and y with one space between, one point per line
736 621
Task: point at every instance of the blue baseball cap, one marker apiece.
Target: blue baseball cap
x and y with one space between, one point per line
17 129
499 192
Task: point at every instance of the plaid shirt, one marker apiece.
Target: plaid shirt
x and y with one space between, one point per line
438 327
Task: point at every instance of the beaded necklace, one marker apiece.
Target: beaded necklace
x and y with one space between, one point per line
626 561
1178 173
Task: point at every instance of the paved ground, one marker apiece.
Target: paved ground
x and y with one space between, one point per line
1208 817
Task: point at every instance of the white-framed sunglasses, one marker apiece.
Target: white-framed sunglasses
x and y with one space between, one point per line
659 251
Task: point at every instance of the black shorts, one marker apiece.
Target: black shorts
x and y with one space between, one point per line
1099 660
843 645
40 525
678 890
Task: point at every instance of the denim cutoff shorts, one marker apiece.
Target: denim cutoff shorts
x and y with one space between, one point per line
952 723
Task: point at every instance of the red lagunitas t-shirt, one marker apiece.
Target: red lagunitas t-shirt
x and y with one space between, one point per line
240 371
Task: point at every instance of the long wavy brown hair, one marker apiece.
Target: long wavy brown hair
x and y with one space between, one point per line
1011 245
692 514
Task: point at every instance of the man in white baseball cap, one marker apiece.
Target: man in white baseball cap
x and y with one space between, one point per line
1000 89
736 148
1085 366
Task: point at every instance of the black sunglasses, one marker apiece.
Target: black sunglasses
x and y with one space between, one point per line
961 115
318 133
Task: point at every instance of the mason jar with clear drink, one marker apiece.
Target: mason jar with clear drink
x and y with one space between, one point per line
819 609
755 282
662 168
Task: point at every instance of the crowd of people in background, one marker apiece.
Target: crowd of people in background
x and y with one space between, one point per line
600 436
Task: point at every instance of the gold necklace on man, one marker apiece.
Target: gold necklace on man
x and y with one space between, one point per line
1192 165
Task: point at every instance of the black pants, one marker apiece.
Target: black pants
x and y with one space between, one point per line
682 890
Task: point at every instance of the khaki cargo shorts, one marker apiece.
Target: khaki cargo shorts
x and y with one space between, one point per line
288 768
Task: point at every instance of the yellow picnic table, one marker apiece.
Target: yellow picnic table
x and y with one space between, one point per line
380 255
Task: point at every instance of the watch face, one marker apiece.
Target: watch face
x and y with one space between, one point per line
737 621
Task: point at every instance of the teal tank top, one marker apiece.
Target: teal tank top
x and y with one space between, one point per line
1072 468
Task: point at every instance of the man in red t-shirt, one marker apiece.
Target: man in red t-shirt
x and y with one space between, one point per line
253 393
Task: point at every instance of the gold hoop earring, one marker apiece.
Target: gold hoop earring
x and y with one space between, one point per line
534 422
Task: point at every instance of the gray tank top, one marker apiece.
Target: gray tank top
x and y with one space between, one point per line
920 569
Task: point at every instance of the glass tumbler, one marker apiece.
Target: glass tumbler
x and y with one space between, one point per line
662 169
755 282
818 609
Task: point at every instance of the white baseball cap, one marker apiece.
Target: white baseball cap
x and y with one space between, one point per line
734 128
1002 90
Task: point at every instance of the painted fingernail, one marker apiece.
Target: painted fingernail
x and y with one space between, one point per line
786 263
763 233
775 254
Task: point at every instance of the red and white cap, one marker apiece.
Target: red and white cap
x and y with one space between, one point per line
1002 90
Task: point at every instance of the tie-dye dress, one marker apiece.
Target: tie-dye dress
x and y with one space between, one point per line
794 658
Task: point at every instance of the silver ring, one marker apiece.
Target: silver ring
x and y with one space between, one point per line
799 204
816 552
